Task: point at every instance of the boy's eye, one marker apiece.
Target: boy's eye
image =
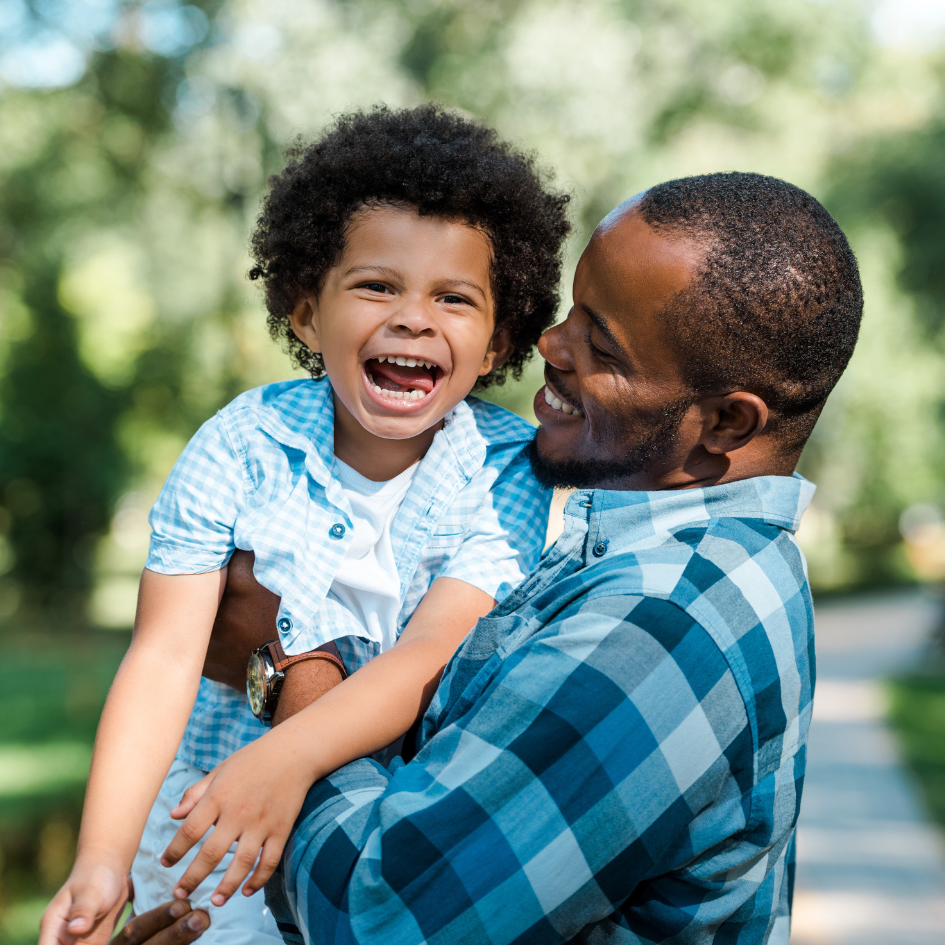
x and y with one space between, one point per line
455 300
374 286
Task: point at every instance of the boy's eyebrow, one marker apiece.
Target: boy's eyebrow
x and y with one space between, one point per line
466 282
394 274
602 326
383 270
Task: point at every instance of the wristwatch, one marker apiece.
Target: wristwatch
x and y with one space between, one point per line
265 674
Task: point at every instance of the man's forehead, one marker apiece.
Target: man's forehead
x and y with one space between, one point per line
618 213
625 248
630 271
631 250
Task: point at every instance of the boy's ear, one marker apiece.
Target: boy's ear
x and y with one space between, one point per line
305 323
499 351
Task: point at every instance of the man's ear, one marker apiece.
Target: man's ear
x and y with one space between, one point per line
499 351
733 421
304 322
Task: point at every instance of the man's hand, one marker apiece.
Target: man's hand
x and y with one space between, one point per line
252 799
246 620
174 923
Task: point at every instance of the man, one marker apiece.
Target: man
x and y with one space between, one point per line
616 752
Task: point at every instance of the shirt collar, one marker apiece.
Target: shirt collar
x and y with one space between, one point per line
619 519
310 427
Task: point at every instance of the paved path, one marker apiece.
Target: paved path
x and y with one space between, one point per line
871 869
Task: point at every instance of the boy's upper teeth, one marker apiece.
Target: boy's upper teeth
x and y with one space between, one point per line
405 361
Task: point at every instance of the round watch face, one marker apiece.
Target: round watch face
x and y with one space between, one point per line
256 684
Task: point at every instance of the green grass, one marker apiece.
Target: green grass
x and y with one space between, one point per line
38 770
20 920
917 712
53 692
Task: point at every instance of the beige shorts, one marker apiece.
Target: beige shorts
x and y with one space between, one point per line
244 920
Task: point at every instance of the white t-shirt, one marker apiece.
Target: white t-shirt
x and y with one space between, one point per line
367 583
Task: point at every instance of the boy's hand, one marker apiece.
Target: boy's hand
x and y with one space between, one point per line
252 798
86 907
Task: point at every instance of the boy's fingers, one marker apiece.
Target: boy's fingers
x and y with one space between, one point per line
211 853
87 909
268 862
189 833
191 797
55 918
240 866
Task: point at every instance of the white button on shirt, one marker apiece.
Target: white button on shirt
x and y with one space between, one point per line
367 582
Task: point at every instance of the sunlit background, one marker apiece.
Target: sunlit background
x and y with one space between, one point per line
135 140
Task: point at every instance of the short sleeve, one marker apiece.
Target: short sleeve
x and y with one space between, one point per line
507 535
192 522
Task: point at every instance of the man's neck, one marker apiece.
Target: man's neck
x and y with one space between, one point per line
375 457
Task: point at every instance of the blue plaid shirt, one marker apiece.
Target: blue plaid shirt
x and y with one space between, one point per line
615 754
260 476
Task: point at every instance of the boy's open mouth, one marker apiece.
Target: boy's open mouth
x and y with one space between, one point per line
399 377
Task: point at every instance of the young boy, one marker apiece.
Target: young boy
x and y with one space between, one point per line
409 256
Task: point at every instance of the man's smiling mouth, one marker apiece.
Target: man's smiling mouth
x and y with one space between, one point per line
400 377
556 403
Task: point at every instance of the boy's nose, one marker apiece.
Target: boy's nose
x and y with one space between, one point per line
413 316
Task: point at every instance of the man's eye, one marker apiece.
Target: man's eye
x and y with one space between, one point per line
597 352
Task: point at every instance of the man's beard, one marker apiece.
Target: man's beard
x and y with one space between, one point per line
660 431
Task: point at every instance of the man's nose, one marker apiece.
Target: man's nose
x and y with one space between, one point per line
555 348
415 317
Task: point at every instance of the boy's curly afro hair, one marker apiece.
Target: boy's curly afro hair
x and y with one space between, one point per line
442 165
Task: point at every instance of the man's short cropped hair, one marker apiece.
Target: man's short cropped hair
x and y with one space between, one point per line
440 164
776 308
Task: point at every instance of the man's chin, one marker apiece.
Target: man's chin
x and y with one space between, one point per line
656 440
563 474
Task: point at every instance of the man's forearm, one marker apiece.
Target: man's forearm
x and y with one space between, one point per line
304 684
245 621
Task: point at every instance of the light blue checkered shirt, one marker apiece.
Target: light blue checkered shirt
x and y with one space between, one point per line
260 476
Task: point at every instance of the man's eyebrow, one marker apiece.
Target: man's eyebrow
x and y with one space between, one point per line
602 326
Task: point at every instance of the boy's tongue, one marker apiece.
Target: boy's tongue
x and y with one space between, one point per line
389 376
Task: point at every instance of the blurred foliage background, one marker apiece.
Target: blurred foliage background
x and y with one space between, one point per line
136 138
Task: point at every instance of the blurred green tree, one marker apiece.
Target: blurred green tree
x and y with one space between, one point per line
898 181
61 467
888 441
75 163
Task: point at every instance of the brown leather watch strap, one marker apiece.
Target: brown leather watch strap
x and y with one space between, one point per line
327 652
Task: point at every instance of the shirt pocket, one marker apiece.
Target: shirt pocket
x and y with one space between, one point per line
449 532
